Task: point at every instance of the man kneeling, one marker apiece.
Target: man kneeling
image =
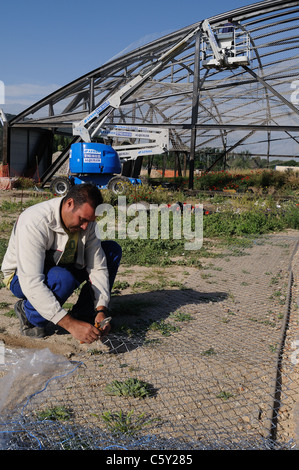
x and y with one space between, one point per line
52 250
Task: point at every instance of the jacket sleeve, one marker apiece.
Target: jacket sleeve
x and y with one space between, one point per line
96 266
30 242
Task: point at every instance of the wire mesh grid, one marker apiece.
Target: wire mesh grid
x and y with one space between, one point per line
211 378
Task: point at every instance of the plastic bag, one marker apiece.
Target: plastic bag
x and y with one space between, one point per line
26 372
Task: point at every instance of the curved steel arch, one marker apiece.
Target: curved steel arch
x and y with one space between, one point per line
252 102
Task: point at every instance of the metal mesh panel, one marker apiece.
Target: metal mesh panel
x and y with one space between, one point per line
213 378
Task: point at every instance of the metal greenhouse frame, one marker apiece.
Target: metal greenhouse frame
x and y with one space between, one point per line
248 106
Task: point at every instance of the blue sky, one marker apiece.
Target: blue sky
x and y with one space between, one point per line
45 45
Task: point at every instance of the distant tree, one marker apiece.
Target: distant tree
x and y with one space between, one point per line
60 142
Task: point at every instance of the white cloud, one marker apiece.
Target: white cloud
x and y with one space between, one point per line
29 89
20 96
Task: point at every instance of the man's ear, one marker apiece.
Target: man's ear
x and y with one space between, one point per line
70 204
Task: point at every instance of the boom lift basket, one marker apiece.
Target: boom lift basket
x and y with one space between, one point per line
224 46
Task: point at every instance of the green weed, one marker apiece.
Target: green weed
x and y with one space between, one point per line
181 316
57 413
225 395
10 314
120 285
164 328
131 387
209 352
3 248
119 423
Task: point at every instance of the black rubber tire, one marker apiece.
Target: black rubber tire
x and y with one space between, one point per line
119 185
60 186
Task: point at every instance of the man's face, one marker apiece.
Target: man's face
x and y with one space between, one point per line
79 218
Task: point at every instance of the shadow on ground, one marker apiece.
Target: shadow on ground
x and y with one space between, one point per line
134 315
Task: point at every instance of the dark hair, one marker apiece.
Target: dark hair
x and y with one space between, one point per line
82 193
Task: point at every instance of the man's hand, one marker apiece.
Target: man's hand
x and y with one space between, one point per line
100 317
83 331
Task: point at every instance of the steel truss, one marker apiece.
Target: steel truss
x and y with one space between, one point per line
251 107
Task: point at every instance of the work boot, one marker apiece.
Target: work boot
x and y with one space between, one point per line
26 328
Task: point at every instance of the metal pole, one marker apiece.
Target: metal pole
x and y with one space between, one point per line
194 115
91 94
4 123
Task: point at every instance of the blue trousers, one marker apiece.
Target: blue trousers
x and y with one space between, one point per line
62 281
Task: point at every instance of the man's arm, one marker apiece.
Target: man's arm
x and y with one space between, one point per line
96 266
83 331
31 247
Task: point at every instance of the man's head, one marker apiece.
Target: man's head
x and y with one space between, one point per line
79 205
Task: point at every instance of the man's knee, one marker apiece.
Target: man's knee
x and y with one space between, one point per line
61 282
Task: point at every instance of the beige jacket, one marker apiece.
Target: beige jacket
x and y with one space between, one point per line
38 233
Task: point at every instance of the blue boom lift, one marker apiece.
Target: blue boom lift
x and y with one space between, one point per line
110 167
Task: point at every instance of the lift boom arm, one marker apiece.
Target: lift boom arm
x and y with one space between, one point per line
84 127
157 140
218 54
